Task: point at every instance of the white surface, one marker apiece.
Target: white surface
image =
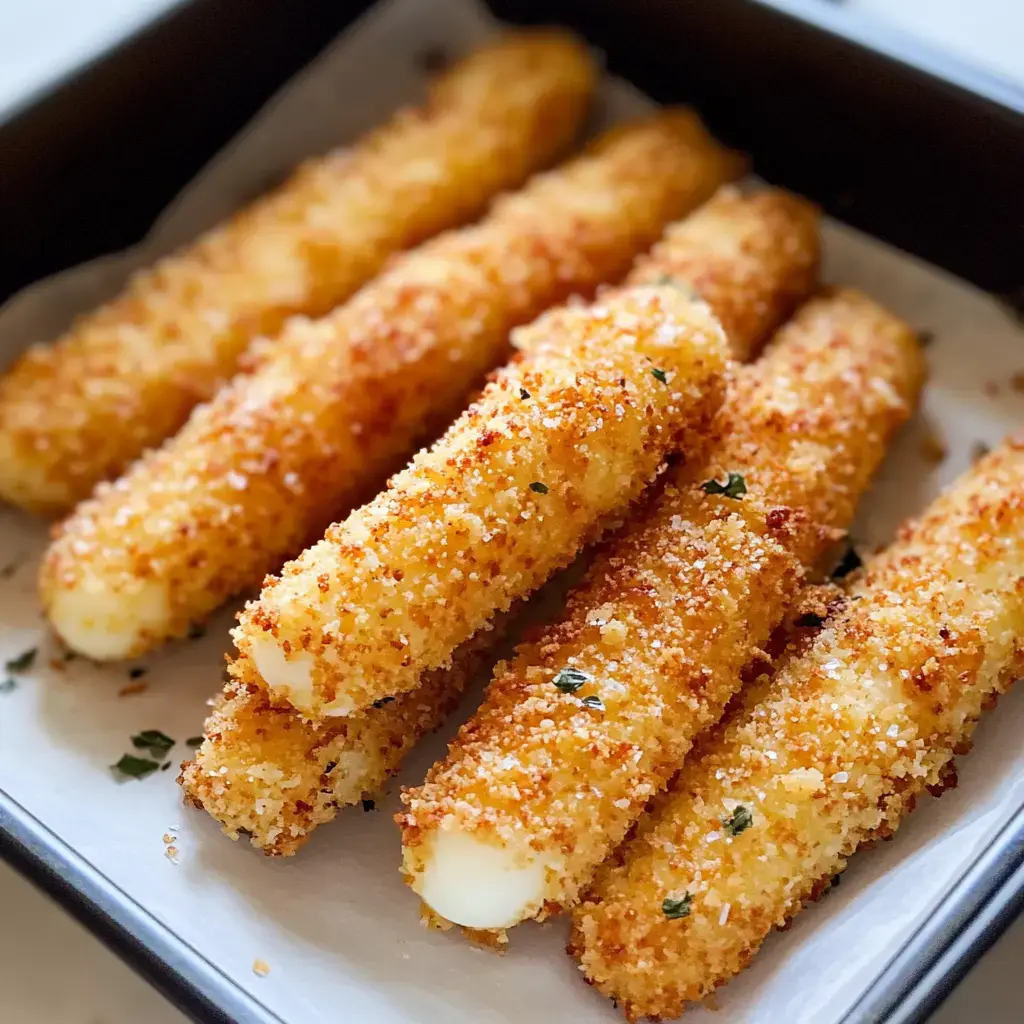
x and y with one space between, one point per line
361 924
41 39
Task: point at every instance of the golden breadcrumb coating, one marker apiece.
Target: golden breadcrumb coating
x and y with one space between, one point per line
751 258
248 731
264 772
562 438
672 609
337 403
828 755
125 377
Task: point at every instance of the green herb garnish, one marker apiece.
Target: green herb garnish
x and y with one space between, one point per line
368 805
739 821
136 673
925 338
135 767
848 563
196 631
539 487
23 661
383 700
194 741
674 908
523 393
734 486
153 740
659 375
594 703
569 680
165 766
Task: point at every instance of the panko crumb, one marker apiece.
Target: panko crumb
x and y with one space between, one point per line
867 718
260 967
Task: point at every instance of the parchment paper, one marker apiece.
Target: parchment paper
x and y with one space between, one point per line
336 925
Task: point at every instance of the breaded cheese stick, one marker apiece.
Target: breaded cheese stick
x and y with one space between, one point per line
339 402
264 772
593 718
751 257
830 753
126 376
266 749
560 440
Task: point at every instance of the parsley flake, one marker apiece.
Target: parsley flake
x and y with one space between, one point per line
8 685
153 740
734 487
194 741
594 703
135 767
667 280
368 805
136 673
739 821
383 700
659 375
196 631
569 680
23 661
539 487
925 338
848 563
674 908
523 393
165 766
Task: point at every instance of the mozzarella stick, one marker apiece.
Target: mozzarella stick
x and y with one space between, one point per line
561 439
588 722
752 258
264 772
829 754
126 376
262 746
338 403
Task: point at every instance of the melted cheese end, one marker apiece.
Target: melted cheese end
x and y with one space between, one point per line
105 625
291 677
477 884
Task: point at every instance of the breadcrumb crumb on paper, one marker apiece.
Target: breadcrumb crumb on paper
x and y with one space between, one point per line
126 375
695 586
339 402
508 496
829 755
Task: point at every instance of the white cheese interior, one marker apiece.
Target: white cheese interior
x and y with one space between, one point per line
477 884
104 625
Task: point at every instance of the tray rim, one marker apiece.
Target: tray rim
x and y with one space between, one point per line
981 904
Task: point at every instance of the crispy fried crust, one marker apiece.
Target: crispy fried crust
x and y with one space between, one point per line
830 754
751 258
675 606
264 772
248 731
561 439
126 376
338 402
